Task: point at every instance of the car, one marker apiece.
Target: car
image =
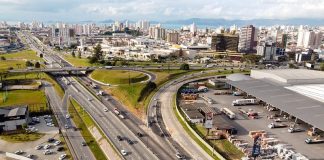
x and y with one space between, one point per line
83 143
119 138
38 147
106 109
123 152
51 140
89 99
47 146
47 152
59 149
62 156
179 156
130 141
139 134
19 152
313 141
66 126
30 156
293 130
67 116
57 143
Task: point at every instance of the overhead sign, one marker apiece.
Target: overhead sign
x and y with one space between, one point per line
209 120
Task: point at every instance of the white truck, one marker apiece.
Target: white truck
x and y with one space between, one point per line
108 67
116 111
229 113
241 102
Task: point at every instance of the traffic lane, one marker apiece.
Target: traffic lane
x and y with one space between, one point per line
73 137
125 130
133 123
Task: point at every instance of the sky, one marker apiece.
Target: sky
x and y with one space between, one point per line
158 10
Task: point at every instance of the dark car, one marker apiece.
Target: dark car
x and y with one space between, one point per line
130 141
119 138
59 149
83 143
139 134
51 140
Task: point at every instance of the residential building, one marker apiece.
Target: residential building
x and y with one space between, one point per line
13 118
247 39
172 37
309 39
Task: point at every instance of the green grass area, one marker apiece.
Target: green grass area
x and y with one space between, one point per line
23 55
116 77
78 62
83 122
20 97
22 137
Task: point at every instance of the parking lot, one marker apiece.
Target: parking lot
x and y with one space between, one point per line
29 147
244 124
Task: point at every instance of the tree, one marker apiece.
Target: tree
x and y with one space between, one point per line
79 54
93 60
97 50
3 58
251 58
41 55
322 66
73 54
37 65
29 64
184 66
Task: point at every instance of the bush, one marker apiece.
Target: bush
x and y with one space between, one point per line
29 64
184 66
37 65
3 58
93 60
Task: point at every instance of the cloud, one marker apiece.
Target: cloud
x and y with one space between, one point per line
161 9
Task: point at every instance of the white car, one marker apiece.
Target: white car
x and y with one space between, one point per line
66 126
67 116
47 152
47 146
38 147
18 152
123 152
106 109
56 143
62 156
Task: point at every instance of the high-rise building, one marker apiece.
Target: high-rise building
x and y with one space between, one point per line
247 39
224 42
157 33
309 39
173 37
193 28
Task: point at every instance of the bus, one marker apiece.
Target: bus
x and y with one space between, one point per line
229 113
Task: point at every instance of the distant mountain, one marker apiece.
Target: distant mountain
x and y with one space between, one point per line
257 22
107 21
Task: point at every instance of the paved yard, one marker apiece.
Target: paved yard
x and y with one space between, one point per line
29 147
244 125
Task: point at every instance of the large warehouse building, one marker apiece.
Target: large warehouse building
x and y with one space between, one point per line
297 92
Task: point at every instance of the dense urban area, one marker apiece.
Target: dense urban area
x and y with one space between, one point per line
143 90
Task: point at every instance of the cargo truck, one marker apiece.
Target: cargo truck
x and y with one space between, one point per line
241 102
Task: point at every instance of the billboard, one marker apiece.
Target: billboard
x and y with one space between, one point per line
256 150
209 120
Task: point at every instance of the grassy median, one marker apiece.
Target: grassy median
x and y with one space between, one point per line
117 77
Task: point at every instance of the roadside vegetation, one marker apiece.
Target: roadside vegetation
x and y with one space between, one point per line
22 137
83 122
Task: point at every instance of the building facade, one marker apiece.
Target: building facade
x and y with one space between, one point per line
247 39
223 42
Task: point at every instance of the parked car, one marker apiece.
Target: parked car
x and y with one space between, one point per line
47 152
19 152
57 143
59 149
51 140
47 146
293 130
62 156
38 147
30 156
123 152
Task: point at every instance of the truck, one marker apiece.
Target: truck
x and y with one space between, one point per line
108 67
116 111
240 102
228 113
313 141
276 125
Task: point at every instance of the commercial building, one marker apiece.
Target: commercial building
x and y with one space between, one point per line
247 39
224 42
269 51
297 92
13 118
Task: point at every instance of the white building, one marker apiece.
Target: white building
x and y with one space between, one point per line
309 39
